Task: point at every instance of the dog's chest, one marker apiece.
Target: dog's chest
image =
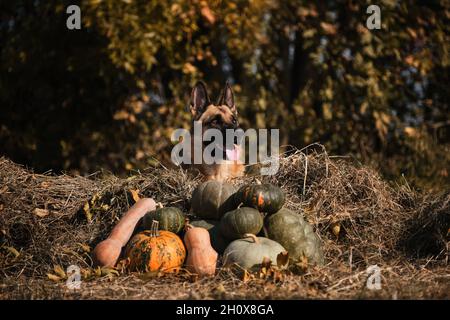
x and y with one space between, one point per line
224 170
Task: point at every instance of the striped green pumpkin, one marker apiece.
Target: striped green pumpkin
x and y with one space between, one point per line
170 219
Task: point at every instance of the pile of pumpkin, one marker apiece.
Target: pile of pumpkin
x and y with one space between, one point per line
248 226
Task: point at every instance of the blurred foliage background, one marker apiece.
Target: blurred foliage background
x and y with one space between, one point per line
109 95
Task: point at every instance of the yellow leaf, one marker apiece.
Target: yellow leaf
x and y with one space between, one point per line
98 271
262 272
135 194
12 250
45 184
140 84
53 277
148 275
309 33
302 264
336 228
189 68
327 111
87 273
220 288
41 212
105 271
246 277
121 115
87 212
59 271
85 247
95 198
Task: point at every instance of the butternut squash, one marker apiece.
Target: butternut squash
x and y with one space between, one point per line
202 258
107 252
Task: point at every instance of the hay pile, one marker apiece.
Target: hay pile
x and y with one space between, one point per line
48 221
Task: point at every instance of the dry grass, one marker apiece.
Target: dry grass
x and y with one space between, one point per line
405 233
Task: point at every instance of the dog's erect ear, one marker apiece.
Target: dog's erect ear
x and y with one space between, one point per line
227 98
199 99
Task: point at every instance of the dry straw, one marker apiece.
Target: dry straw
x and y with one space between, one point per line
48 221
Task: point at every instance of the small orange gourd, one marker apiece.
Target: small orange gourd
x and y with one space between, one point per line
155 250
202 258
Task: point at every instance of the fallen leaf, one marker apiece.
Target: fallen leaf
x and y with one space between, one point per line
302 264
148 275
98 272
263 272
41 212
220 288
121 115
87 273
59 271
96 197
189 68
85 247
45 184
135 194
123 264
105 271
246 276
53 277
336 228
12 250
87 212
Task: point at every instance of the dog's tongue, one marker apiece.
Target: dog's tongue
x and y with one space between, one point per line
232 154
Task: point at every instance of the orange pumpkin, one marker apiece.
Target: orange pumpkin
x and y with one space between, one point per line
155 250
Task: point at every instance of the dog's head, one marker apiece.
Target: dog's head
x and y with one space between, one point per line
221 116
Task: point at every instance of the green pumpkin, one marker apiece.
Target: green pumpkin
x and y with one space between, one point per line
234 224
296 235
170 218
212 199
266 197
218 241
251 251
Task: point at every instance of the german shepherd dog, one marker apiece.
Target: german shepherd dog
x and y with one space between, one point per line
221 116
